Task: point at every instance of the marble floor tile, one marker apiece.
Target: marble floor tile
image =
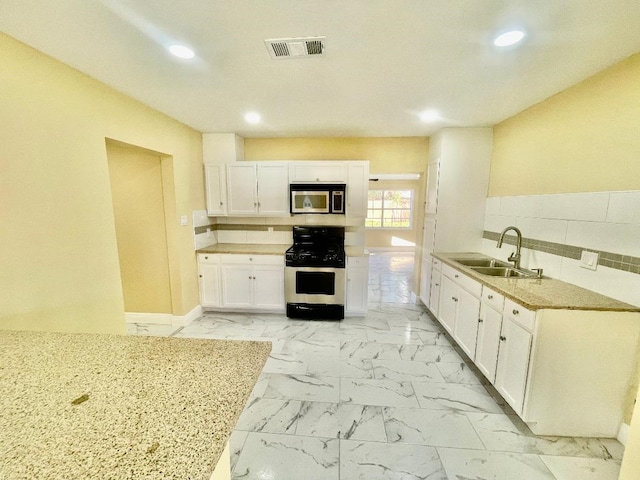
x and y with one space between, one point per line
459 373
438 428
261 385
604 448
508 433
377 392
269 415
381 461
287 457
484 465
329 348
370 350
303 387
152 330
283 363
430 353
338 367
397 338
405 371
236 443
435 338
340 420
458 397
373 321
571 468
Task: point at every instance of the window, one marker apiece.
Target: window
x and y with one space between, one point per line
389 209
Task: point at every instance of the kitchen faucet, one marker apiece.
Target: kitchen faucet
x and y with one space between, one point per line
514 257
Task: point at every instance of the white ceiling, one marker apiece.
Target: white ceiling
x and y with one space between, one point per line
386 61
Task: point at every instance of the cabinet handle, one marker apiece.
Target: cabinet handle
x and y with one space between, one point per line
515 312
504 339
480 320
200 276
437 284
490 297
206 258
455 276
454 299
221 204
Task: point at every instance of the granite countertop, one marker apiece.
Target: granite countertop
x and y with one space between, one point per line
538 294
83 406
269 249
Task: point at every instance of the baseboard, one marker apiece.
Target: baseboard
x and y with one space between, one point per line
184 320
391 249
623 434
164 318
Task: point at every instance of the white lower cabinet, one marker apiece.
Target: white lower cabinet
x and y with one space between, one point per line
565 372
513 363
434 296
357 285
230 281
209 280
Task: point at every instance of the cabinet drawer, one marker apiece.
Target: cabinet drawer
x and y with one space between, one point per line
493 299
437 264
358 261
209 258
244 259
521 315
469 284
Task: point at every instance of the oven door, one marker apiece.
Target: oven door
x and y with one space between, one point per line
315 285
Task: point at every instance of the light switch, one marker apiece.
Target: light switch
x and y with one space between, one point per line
589 260
184 221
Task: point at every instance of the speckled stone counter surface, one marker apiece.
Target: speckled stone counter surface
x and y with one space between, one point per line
78 406
246 248
266 249
537 294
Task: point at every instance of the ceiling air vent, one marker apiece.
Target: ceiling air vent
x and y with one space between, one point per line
295 47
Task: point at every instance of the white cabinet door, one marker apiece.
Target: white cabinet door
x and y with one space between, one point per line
237 282
242 188
317 172
357 288
216 188
488 341
273 188
448 304
209 285
425 279
513 363
357 189
431 199
434 296
466 325
268 286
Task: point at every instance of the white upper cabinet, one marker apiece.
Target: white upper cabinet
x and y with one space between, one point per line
273 188
357 188
317 172
257 188
431 198
215 175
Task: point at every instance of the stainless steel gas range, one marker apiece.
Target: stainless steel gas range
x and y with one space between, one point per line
315 279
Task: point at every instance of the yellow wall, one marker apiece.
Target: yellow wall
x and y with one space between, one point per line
138 205
584 139
58 254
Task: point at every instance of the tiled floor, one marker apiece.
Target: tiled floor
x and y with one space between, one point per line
384 396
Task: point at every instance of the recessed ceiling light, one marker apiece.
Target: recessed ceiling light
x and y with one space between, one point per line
507 39
252 117
181 51
430 116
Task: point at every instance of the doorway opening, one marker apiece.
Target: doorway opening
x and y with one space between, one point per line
141 186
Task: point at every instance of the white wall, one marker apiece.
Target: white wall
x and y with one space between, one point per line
605 221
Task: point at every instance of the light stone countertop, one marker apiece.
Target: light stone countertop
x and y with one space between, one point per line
154 408
538 294
269 249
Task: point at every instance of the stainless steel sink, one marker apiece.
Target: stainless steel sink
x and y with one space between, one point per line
480 262
503 272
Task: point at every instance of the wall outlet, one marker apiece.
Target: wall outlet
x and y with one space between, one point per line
270 229
184 221
208 232
589 260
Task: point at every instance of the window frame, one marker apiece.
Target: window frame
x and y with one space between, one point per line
411 210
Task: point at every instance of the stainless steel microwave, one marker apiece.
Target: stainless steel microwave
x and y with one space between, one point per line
317 197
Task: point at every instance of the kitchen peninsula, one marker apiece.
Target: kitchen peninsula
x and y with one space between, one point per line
82 406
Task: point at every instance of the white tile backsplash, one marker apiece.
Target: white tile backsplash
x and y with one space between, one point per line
606 221
575 206
624 207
